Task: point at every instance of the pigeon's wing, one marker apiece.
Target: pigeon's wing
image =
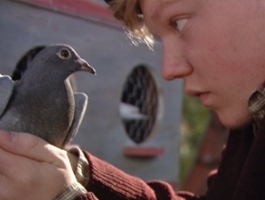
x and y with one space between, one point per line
81 100
6 90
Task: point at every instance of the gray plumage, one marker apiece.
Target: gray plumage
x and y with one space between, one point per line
42 102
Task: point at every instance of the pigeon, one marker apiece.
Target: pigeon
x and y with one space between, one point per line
42 102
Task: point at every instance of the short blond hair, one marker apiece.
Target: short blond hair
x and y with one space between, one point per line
129 12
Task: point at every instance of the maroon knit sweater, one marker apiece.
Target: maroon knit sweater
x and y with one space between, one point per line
240 176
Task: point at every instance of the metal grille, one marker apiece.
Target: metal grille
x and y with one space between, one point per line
140 96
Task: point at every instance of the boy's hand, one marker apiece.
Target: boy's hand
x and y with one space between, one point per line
31 169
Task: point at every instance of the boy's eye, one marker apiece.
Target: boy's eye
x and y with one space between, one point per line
179 23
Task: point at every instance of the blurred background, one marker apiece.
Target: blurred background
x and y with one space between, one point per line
135 120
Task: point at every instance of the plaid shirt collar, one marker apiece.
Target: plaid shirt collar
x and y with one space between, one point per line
256 104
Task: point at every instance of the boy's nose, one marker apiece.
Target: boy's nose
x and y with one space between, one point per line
174 64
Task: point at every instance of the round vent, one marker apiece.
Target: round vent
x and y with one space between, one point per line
139 104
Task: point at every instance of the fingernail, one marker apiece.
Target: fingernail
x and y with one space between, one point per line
13 136
9 136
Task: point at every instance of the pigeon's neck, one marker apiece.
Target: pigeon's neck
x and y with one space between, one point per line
43 78
47 87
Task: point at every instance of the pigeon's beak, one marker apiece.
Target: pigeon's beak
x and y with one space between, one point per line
85 66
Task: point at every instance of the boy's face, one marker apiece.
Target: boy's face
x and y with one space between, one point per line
216 46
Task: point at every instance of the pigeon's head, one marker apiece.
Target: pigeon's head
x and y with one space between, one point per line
60 58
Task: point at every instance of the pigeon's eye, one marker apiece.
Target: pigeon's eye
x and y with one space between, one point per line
64 54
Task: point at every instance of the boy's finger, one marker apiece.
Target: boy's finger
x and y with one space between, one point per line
31 146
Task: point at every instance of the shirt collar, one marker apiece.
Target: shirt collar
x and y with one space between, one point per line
256 104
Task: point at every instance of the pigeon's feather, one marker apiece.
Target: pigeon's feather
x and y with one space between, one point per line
6 90
81 100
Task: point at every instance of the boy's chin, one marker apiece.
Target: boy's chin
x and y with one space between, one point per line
235 122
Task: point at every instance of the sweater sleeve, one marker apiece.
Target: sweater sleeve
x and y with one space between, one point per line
108 182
